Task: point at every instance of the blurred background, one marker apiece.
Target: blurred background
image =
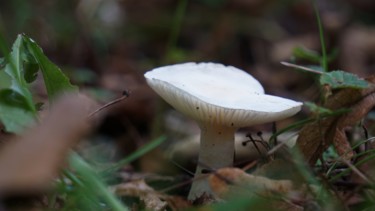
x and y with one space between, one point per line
105 46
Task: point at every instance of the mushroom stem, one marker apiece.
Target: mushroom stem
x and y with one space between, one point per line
216 151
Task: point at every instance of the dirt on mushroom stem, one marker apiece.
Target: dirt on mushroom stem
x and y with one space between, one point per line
216 151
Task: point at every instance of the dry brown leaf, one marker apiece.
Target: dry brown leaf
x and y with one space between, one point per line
138 188
227 181
30 162
152 199
314 138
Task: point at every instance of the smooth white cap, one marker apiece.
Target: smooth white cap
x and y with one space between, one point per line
218 94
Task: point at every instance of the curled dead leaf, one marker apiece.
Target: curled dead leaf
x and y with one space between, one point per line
138 188
314 138
152 199
228 181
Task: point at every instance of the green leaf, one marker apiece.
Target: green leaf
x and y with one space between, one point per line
14 68
316 68
31 67
93 184
2 62
55 81
31 72
13 114
12 98
317 109
306 54
15 119
20 67
5 80
340 79
17 110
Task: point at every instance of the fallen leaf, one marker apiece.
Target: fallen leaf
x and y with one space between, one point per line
227 183
314 138
138 188
31 161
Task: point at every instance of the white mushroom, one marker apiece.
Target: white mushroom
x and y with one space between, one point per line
221 99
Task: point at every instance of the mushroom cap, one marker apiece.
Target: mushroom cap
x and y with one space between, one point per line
218 94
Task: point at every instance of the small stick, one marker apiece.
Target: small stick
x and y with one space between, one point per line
255 145
125 94
300 67
356 170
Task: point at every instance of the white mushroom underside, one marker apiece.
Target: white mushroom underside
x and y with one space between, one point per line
249 109
219 94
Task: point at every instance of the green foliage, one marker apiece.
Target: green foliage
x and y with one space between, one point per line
324 112
307 54
340 79
16 118
318 109
313 56
146 148
55 81
18 69
91 189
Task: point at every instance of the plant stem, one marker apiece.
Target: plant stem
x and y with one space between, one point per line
216 151
93 182
324 61
176 27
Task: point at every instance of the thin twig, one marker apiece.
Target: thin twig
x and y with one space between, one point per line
125 95
255 145
275 148
300 67
356 170
250 165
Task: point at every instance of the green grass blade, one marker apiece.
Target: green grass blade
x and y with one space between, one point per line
91 181
146 148
324 61
55 80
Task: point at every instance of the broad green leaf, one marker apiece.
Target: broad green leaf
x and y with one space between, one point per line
55 81
13 114
14 68
20 67
17 110
31 71
340 79
12 98
5 80
2 62
31 67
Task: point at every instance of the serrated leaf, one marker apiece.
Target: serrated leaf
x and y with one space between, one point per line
55 81
17 110
340 79
14 69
